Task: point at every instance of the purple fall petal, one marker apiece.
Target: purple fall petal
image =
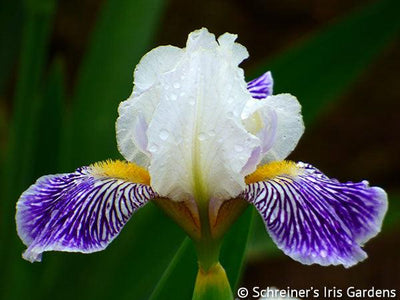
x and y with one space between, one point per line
261 87
76 212
315 219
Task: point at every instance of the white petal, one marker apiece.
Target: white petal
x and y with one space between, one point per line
197 141
135 113
289 128
159 60
260 120
201 39
237 52
193 122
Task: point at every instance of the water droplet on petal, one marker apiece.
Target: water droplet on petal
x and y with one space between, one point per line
202 136
173 97
177 85
230 114
323 253
153 148
164 134
211 133
238 148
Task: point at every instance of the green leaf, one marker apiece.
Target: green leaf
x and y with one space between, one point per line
10 37
317 71
392 218
234 246
170 284
122 36
151 252
128 269
184 268
17 173
46 150
322 68
150 240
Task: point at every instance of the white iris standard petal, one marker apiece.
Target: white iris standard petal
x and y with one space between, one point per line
192 121
197 141
289 126
136 112
277 122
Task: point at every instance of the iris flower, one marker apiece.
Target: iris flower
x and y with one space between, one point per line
202 144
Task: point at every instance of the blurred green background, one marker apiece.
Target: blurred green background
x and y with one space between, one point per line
66 65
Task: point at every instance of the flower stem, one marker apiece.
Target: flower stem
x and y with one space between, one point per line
212 284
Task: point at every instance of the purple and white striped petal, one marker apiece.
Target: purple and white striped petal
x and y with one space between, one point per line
261 87
76 212
315 219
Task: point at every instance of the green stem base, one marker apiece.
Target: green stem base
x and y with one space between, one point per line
212 284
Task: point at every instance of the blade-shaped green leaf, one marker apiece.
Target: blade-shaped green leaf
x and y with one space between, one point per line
317 71
170 287
392 218
142 261
17 173
181 273
128 269
323 68
10 37
122 36
46 150
234 246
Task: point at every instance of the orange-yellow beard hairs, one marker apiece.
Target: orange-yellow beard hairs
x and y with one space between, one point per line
271 170
122 170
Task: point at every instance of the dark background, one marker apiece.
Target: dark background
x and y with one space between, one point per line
355 137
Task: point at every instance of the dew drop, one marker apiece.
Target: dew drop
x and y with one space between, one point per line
164 134
173 97
153 148
323 253
238 148
177 85
230 114
211 133
202 136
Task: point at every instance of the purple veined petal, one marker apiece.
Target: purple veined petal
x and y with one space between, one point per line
315 219
262 86
76 212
